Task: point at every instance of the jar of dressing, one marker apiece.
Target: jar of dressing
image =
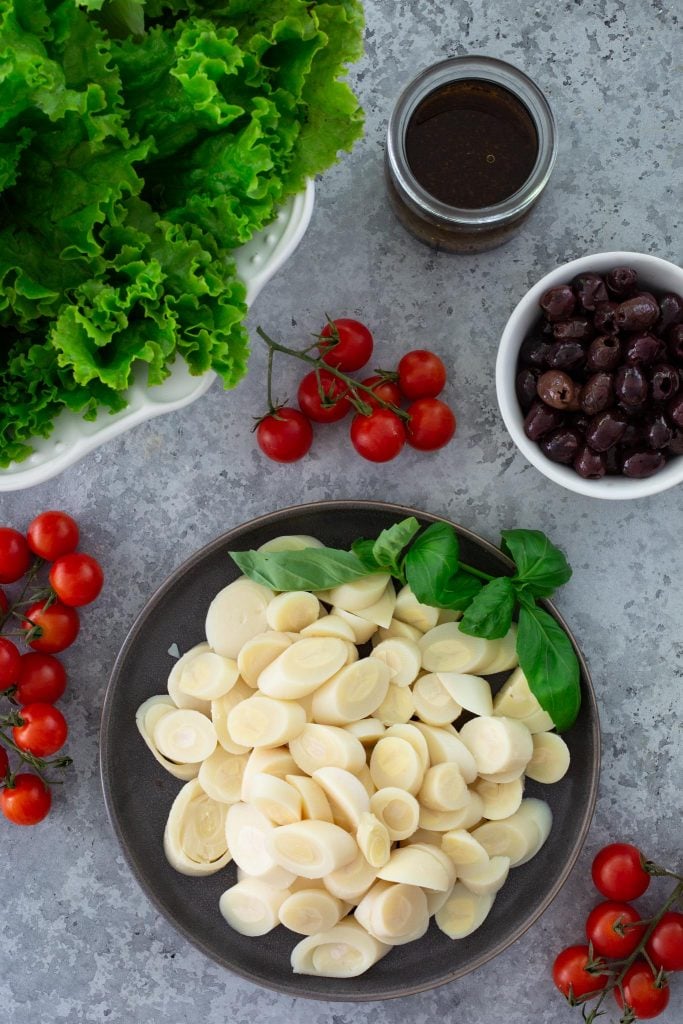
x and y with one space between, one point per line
470 147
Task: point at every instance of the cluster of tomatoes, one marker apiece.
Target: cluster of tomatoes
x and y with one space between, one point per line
626 955
47 622
380 427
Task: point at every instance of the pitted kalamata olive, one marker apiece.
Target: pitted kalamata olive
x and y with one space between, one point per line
566 355
621 281
642 348
578 328
637 313
657 431
630 386
558 303
557 389
603 319
603 353
534 352
605 430
590 289
525 386
676 442
589 464
597 393
670 311
639 465
674 410
665 381
540 420
674 343
561 445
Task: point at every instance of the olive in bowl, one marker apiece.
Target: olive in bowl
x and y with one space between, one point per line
589 375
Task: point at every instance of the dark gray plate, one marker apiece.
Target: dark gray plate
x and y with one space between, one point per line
139 793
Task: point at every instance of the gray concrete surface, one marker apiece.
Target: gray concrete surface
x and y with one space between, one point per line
81 943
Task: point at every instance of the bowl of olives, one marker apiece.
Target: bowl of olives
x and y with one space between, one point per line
589 375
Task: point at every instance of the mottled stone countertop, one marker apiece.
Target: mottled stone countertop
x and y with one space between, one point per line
81 942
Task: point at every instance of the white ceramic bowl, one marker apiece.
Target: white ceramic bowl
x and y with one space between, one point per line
655 275
73 437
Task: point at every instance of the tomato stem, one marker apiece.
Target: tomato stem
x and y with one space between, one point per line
39 764
30 576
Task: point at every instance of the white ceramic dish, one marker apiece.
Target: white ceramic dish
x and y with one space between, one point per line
258 261
655 275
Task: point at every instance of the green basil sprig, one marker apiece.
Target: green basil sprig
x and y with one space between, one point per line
429 561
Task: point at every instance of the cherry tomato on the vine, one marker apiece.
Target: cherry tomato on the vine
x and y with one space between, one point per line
642 993
41 678
10 663
569 973
346 344
76 579
59 625
27 801
285 435
15 557
328 407
4 764
421 374
665 945
378 437
385 389
618 872
52 534
612 928
43 730
431 424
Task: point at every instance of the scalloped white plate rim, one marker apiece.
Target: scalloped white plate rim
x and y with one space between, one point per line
180 388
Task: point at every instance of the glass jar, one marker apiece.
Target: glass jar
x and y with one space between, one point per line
468 227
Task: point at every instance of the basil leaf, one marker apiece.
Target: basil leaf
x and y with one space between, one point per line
391 542
550 665
459 592
310 569
541 567
363 550
490 613
430 562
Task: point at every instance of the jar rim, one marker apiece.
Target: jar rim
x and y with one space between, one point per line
497 72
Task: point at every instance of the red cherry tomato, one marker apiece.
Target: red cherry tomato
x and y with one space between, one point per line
15 557
570 975
385 389
43 730
27 801
665 945
41 678
285 436
431 424
10 663
349 347
421 374
52 534
4 764
59 625
641 993
612 929
76 579
378 437
333 406
618 872
4 603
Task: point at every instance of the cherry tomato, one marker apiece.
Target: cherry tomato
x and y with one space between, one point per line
27 801
15 557
334 406
43 730
431 424
4 603
385 389
618 872
421 374
52 534
4 764
10 663
76 579
641 993
570 976
284 436
41 678
378 437
350 345
665 945
609 929
59 625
